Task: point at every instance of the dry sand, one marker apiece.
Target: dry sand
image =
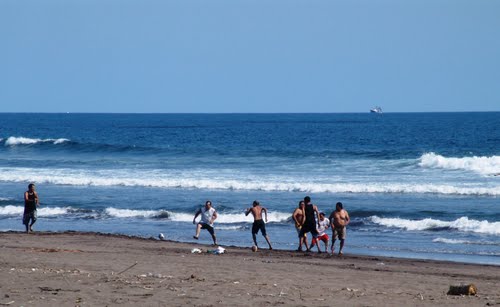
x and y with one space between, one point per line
89 269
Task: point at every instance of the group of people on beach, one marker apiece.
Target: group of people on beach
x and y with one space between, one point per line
307 218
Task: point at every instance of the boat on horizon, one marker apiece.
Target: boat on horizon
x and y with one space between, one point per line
376 110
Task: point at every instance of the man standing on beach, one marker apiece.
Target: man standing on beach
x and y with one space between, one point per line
258 223
339 220
299 217
310 224
208 216
324 223
31 202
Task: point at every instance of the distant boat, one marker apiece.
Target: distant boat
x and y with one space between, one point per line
376 110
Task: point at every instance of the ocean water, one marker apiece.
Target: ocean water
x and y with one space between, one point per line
420 185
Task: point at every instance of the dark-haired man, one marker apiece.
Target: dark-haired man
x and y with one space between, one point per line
339 220
208 216
258 223
310 224
31 202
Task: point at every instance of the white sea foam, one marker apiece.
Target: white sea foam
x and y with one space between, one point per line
129 213
223 218
456 241
43 211
481 165
11 210
462 224
449 241
160 179
12 141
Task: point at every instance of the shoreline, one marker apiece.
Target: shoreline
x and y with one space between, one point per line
89 268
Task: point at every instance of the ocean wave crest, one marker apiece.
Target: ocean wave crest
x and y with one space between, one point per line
481 165
160 179
13 141
462 224
42 211
223 218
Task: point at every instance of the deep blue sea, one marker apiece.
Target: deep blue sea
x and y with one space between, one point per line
416 185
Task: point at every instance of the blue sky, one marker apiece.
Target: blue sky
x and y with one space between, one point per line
160 56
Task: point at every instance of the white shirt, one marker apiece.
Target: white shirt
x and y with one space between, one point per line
323 224
207 215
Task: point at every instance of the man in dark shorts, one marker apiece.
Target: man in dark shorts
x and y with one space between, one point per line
208 216
258 223
310 224
31 202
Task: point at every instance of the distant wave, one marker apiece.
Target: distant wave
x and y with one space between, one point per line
462 224
481 165
13 141
456 241
159 179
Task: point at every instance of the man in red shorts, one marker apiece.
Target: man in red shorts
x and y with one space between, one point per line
324 223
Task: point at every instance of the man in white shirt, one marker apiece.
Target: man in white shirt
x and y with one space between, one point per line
323 223
208 216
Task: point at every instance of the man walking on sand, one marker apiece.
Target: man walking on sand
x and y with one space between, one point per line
258 223
31 202
208 216
339 219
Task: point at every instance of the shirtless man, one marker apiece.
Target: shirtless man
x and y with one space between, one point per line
339 220
258 223
299 217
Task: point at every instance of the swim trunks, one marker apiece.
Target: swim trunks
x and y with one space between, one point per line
339 232
30 215
324 237
259 225
207 227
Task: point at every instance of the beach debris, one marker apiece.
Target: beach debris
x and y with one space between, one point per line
219 250
133 265
470 289
9 303
161 236
196 251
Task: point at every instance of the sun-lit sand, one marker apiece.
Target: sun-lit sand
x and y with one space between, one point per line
88 269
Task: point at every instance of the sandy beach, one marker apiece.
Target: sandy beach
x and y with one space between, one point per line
91 269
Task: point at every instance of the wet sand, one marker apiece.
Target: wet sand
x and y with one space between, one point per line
91 269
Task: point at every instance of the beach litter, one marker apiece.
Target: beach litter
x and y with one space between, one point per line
470 289
196 251
219 250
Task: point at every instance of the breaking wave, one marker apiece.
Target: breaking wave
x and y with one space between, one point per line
481 165
13 141
160 180
462 224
